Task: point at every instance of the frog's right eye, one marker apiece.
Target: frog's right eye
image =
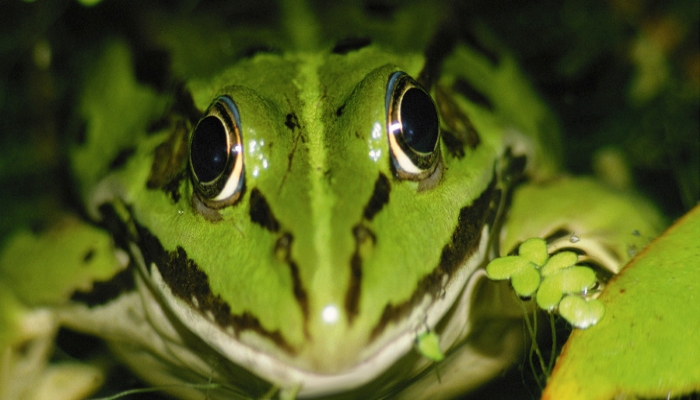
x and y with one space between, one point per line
216 154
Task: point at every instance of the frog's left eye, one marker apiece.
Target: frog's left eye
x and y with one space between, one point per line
216 154
413 127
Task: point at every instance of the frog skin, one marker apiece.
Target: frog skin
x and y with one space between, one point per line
288 222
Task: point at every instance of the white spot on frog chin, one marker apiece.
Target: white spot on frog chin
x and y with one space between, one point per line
195 302
330 314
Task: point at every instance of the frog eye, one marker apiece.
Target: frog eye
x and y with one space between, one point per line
413 128
216 154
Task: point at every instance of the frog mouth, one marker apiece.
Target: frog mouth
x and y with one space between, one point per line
387 360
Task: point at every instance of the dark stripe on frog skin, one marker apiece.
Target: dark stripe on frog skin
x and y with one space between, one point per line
170 159
473 41
123 282
187 281
185 278
470 92
441 45
261 213
103 292
182 110
121 158
283 252
460 131
379 198
291 121
457 130
465 240
362 234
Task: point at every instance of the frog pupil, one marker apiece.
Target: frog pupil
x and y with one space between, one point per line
209 150
419 120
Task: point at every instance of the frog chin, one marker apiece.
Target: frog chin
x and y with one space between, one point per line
390 357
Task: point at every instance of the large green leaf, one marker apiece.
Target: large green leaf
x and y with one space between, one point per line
647 343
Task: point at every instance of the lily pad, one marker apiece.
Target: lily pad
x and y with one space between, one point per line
646 345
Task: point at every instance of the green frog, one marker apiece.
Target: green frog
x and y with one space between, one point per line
298 206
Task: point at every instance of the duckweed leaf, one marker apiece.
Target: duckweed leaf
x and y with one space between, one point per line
577 279
526 282
505 267
549 295
555 286
559 261
429 346
581 313
534 250
523 274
